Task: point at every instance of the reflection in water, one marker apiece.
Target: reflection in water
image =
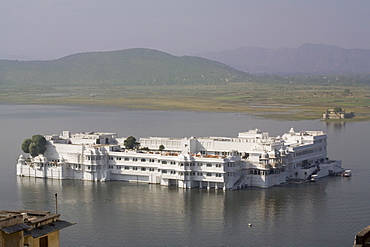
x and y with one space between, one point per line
336 126
141 213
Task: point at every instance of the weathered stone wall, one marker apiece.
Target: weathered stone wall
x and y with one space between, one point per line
362 238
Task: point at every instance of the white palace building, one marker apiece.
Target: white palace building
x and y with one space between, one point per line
251 159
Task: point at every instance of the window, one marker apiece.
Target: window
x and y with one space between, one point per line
127 167
209 165
164 171
164 162
143 160
143 168
127 158
209 174
43 241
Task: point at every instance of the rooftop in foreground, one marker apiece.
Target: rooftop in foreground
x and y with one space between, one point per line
30 228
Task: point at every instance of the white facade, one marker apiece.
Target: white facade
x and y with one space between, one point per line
251 159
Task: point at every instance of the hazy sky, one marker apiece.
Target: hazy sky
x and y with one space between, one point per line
50 29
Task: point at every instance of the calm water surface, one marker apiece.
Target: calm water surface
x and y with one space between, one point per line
327 213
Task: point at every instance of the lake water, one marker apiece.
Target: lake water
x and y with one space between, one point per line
326 213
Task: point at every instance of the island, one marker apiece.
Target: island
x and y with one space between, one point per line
337 113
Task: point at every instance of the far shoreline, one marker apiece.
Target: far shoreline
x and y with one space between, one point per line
269 101
264 115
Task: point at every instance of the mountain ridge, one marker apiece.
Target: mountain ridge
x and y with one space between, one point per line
130 66
306 59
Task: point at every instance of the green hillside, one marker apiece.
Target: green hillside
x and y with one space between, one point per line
126 67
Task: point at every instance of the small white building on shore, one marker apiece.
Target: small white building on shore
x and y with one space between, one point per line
252 158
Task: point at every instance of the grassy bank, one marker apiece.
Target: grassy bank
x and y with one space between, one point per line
275 101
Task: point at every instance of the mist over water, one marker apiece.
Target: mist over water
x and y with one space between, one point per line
326 213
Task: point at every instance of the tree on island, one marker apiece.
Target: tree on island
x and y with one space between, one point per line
130 143
35 145
26 145
338 109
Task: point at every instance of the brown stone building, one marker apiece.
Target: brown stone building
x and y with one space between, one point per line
337 113
30 228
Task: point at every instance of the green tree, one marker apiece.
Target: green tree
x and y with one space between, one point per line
26 145
161 148
35 145
130 143
338 109
34 151
40 142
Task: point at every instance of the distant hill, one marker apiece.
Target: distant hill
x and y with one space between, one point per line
307 59
131 66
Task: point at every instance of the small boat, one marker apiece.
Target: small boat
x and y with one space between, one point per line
314 178
347 173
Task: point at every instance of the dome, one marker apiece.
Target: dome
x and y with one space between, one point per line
274 153
282 151
89 151
265 155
